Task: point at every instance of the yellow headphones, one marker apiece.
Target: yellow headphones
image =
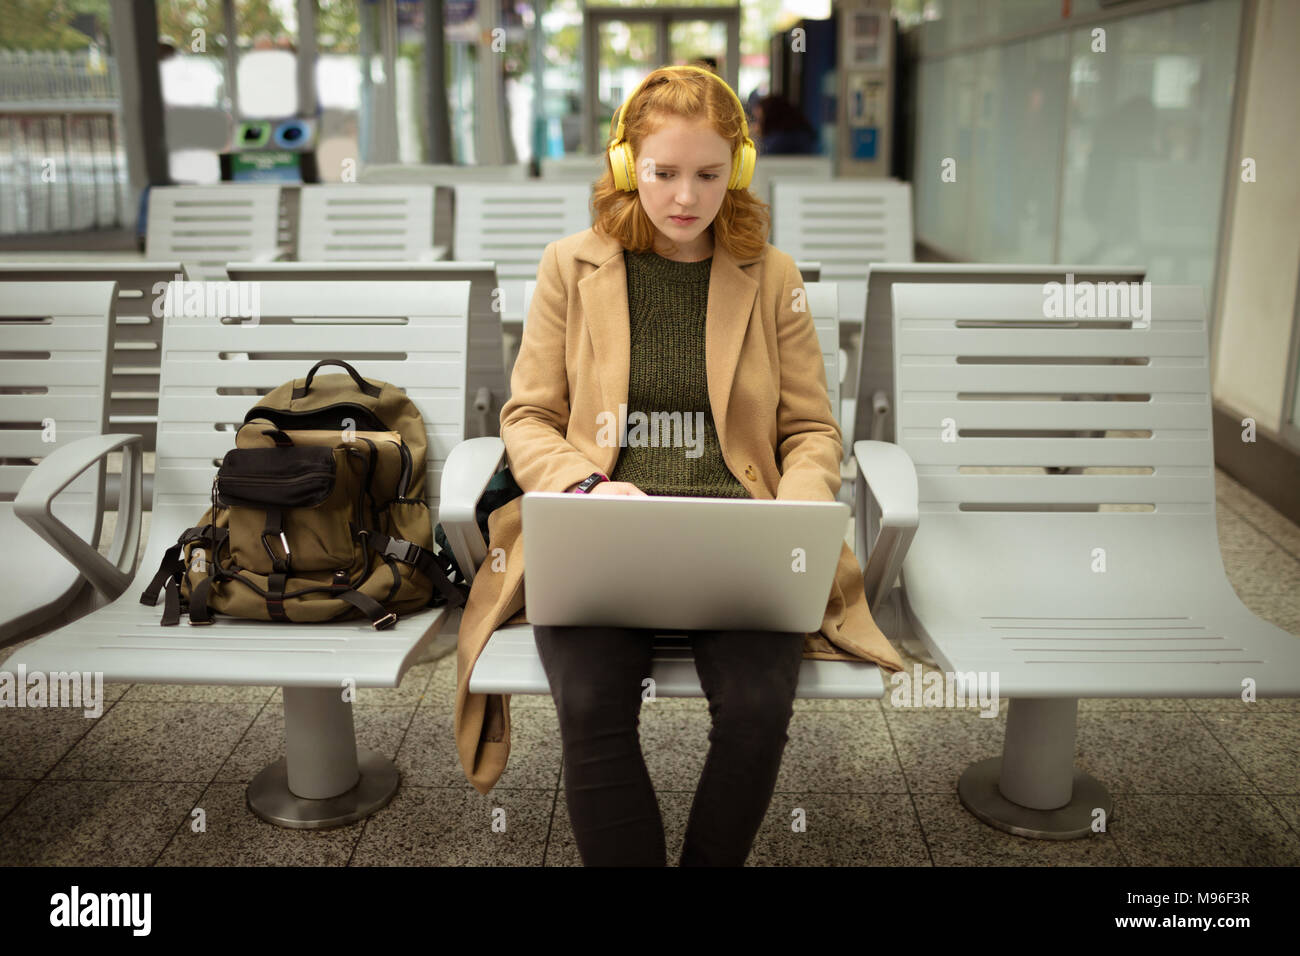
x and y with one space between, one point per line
622 162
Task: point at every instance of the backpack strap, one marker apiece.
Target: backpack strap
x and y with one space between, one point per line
300 391
275 595
168 569
199 613
432 566
380 617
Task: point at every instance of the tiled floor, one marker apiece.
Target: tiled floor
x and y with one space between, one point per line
1195 782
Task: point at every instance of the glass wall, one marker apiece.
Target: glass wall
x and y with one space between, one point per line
996 115
1146 144
1066 153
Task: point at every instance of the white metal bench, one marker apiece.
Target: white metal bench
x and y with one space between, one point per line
355 222
137 334
845 224
811 271
488 384
412 334
56 339
444 178
871 376
1013 574
207 226
511 225
573 169
437 174
769 169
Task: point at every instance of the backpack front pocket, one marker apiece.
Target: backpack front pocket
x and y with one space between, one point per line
308 489
297 477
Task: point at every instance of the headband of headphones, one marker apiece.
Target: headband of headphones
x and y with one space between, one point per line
744 126
743 159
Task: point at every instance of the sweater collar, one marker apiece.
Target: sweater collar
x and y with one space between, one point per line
596 248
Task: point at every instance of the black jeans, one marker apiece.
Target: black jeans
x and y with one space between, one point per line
596 676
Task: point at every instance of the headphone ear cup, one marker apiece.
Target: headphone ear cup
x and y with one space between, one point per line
631 167
746 158
620 162
616 164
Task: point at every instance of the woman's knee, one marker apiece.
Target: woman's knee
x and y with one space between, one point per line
589 703
758 707
593 681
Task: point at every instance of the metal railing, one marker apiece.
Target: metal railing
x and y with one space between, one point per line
37 76
62 162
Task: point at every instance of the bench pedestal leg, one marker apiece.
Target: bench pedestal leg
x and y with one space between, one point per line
324 779
1033 789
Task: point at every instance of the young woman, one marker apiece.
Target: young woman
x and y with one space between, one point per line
672 302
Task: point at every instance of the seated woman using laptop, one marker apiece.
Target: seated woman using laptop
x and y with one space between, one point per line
674 302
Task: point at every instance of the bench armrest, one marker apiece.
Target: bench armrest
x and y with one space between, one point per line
465 475
887 478
109 576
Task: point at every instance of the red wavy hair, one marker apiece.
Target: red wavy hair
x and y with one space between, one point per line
743 221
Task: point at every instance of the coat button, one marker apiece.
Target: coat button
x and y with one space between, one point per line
750 473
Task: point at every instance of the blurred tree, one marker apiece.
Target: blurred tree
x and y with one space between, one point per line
258 20
178 19
338 26
47 24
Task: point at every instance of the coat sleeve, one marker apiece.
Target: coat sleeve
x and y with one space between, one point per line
535 419
809 445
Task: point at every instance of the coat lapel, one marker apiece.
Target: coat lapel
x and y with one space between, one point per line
605 310
731 303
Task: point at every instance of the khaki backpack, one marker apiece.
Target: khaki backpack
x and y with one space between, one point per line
318 513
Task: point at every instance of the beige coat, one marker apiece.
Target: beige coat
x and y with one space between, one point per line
767 391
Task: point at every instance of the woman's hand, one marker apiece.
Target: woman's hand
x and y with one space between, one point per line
614 488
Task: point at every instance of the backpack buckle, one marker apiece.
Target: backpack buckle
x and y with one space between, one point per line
406 551
385 622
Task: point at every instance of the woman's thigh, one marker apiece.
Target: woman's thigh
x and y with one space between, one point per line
595 671
754 673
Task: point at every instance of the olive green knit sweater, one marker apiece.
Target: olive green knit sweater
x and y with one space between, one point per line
668 389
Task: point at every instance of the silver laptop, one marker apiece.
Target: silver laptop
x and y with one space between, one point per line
680 563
